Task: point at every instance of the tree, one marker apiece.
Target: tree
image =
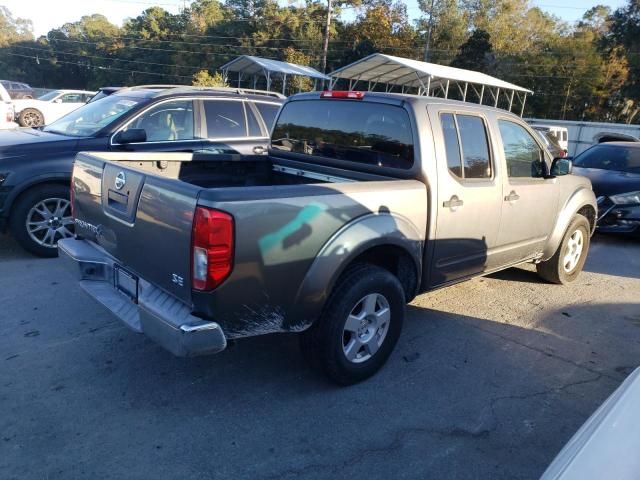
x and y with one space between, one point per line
476 53
204 79
13 29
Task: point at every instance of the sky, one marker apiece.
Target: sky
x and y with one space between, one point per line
49 14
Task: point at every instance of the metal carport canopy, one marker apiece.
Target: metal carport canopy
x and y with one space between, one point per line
249 66
428 78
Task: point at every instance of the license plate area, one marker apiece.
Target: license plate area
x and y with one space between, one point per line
125 282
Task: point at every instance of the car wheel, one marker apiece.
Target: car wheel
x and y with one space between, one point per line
40 218
359 327
30 117
566 264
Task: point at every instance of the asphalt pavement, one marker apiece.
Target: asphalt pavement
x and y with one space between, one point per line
489 380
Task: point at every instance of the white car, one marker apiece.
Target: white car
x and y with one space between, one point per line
7 112
608 444
49 107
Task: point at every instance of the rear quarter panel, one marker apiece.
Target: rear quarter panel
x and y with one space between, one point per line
292 242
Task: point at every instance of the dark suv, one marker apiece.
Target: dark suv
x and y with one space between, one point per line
17 90
36 164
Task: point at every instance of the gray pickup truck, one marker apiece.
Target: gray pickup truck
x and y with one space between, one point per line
364 201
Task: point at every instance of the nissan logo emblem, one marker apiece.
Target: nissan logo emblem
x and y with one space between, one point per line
120 181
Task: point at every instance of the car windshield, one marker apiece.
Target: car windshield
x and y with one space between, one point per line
49 95
610 157
93 117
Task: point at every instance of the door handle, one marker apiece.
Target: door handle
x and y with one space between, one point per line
259 150
453 203
512 197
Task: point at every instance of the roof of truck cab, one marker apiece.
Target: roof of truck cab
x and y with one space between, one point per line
399 98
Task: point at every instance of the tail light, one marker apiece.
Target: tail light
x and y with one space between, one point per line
211 248
342 94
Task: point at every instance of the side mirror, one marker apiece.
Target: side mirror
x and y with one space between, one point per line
57 100
561 166
133 135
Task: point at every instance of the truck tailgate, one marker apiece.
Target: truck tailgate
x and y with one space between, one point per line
142 220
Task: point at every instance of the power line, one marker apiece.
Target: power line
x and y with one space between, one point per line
96 67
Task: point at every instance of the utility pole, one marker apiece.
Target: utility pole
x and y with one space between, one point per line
426 48
325 48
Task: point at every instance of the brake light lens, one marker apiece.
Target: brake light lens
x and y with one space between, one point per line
212 243
341 94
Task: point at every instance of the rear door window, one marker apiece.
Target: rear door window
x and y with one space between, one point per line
466 145
225 119
354 131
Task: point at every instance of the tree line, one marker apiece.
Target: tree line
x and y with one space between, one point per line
589 70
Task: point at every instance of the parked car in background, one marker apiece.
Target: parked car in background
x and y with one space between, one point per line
551 142
50 106
35 164
614 171
17 90
332 233
7 112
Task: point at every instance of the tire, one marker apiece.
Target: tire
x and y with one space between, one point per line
563 267
350 352
31 117
40 217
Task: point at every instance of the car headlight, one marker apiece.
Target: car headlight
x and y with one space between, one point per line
3 177
631 198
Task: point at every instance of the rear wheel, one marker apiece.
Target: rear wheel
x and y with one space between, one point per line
41 217
31 117
568 261
359 327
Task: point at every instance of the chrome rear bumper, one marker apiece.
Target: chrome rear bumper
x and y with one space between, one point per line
157 314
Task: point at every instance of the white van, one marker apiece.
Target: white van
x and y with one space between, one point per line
561 133
7 112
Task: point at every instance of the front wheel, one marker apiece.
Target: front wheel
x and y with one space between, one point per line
359 327
40 218
568 261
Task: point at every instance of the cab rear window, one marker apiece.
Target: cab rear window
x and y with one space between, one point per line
353 131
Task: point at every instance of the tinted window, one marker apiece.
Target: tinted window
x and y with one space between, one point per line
523 156
167 121
356 131
610 157
475 149
16 86
225 119
268 112
452 146
254 126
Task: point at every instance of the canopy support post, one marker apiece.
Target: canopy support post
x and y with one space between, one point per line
497 97
523 102
511 99
429 86
481 94
284 83
446 91
464 95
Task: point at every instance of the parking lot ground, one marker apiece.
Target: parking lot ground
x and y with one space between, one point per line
489 380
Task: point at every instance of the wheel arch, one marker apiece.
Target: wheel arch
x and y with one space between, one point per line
582 202
24 188
388 241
